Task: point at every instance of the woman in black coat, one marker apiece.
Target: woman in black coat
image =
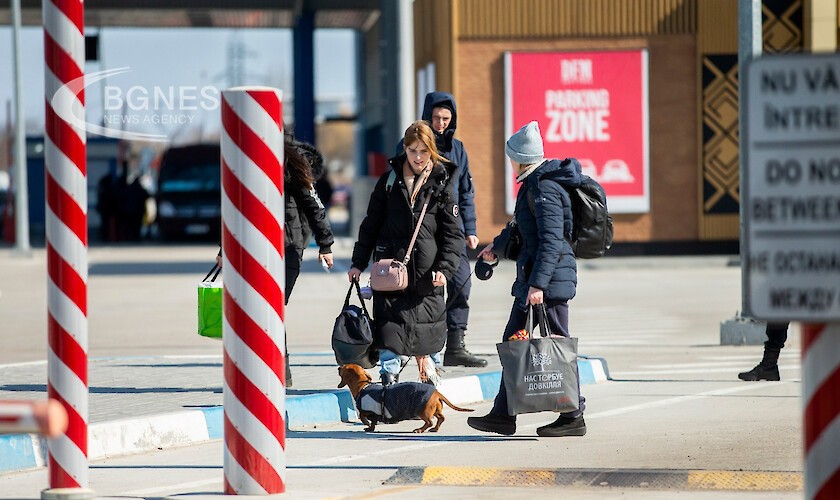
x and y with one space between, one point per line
305 212
411 322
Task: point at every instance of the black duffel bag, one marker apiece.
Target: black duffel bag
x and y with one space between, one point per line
352 336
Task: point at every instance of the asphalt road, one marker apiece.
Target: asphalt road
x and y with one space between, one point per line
674 404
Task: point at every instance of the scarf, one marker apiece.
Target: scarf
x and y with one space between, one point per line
413 182
521 177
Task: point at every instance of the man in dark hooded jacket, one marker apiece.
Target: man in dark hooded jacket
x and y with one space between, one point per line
440 111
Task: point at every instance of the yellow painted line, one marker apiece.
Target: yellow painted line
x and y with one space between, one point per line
482 476
740 480
653 479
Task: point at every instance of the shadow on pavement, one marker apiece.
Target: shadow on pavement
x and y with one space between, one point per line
114 390
397 436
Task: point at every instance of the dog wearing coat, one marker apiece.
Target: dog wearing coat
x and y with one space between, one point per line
393 403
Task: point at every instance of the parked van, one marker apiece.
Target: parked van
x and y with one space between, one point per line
189 193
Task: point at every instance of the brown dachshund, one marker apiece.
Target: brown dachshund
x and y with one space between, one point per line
394 403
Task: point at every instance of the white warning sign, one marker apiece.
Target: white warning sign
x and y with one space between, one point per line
792 188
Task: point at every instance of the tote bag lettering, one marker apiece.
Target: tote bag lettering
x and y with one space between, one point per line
540 374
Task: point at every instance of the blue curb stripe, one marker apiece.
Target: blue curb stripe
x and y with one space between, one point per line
489 384
585 373
335 406
215 421
17 451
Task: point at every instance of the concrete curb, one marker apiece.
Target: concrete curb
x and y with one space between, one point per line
120 437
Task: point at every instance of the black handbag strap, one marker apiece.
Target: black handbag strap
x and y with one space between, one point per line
216 268
355 284
545 331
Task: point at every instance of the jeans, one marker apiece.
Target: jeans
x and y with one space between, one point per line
391 362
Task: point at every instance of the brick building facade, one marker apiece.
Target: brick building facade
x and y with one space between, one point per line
692 93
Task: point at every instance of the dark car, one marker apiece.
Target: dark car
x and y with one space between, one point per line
189 192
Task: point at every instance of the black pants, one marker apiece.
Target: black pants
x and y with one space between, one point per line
458 290
292 274
558 322
293 260
776 335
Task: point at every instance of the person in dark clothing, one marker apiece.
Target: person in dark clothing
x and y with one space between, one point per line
305 215
768 368
132 209
411 322
107 200
305 212
440 111
325 191
546 271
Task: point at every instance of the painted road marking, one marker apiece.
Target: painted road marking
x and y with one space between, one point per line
648 479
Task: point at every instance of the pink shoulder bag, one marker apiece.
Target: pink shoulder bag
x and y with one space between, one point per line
390 275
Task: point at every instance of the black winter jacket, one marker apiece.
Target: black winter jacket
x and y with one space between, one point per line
305 216
453 150
546 260
411 322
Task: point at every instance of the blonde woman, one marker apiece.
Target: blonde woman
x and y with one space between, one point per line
411 322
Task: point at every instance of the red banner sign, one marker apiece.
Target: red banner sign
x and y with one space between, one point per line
592 106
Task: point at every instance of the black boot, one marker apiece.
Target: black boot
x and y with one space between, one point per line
494 422
563 426
456 353
768 369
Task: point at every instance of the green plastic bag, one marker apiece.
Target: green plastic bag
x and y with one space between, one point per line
210 309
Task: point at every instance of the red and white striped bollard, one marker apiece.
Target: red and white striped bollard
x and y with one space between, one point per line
66 225
821 399
254 277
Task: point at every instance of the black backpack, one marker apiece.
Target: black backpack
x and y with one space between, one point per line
352 336
592 230
592 227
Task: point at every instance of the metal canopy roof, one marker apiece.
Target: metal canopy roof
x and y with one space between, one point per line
353 14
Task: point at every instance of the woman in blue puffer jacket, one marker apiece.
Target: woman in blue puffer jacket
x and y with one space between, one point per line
546 271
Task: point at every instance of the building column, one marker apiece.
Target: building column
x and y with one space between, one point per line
303 37
397 45
821 25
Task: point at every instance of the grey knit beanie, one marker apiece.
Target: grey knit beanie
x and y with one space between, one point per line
525 146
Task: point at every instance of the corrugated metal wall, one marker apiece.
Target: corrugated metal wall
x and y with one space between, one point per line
435 38
552 18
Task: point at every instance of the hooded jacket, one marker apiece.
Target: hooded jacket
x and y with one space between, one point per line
453 150
411 322
546 260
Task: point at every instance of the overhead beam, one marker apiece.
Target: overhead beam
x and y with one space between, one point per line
312 5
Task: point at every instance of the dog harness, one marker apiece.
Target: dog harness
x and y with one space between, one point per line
396 402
